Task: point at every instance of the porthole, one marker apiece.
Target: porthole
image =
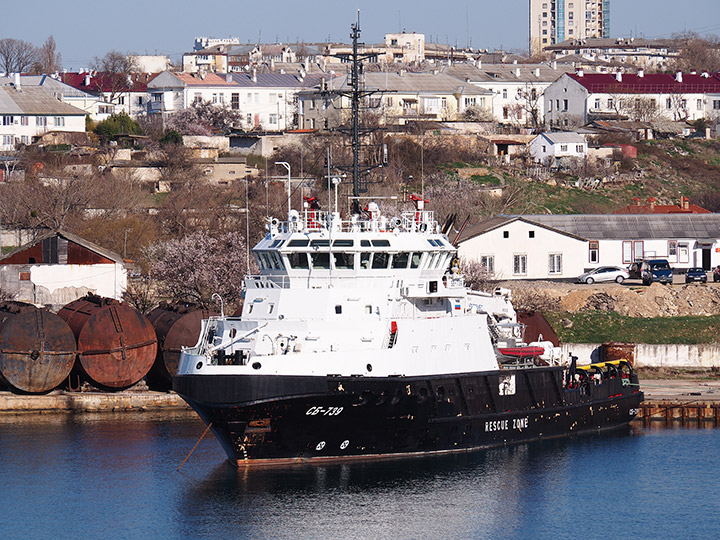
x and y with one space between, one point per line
256 365
320 446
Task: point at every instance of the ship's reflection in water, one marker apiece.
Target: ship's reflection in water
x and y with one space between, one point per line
115 477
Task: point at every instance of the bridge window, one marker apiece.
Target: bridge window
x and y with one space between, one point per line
344 261
365 261
400 260
298 260
380 260
415 260
320 261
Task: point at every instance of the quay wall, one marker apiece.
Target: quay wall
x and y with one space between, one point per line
676 356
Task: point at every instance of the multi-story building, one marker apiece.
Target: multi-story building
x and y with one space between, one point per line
650 53
397 98
554 21
574 99
26 113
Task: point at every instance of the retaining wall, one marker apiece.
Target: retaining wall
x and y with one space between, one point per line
685 356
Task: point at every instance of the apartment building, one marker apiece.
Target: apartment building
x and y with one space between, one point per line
554 21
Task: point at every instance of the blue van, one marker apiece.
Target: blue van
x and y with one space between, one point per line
656 270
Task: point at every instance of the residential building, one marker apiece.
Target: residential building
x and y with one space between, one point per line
578 98
554 21
205 42
26 113
651 207
685 240
213 59
565 246
150 63
647 53
58 267
126 93
397 98
268 101
514 247
170 92
94 105
404 47
519 88
551 148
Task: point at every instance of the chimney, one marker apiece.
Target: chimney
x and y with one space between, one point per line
16 77
641 73
87 80
479 64
517 72
228 78
678 76
537 72
554 65
693 72
618 76
253 77
705 75
651 202
685 203
579 73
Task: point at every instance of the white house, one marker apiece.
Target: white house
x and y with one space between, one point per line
685 240
519 88
26 113
59 267
552 147
565 246
170 92
575 99
517 248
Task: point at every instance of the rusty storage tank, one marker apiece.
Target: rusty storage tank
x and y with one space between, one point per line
176 325
37 348
618 351
116 343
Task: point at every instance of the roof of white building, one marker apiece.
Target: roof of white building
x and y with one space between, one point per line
508 73
33 100
418 83
563 137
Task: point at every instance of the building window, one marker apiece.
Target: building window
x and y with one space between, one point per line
273 118
683 252
249 119
672 248
24 120
520 264
563 147
565 104
668 103
579 148
273 98
8 140
506 234
41 121
531 234
214 98
235 101
555 263
699 104
469 101
504 93
597 103
611 103
59 121
7 120
716 104
594 252
311 104
488 262
221 98
196 99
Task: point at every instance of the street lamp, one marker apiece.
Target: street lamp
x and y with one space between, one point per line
287 166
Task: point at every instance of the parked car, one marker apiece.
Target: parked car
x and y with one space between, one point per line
656 270
695 274
716 273
604 273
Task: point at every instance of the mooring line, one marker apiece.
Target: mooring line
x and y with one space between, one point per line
194 447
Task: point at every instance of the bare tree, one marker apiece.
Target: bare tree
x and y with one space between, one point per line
17 56
697 53
115 74
678 106
48 60
528 101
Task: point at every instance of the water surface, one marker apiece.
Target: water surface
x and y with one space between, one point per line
114 476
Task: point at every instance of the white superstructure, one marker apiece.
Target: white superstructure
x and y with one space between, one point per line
373 296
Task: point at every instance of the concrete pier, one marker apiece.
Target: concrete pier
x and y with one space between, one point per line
60 401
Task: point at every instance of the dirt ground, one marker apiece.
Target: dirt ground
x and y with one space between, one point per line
630 298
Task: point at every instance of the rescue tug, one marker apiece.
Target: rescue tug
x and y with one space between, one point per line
359 339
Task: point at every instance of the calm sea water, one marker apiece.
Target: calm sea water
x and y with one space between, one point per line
115 477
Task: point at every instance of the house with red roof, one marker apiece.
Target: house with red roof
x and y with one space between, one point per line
651 207
126 93
578 98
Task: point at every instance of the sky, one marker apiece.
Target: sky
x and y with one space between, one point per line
84 30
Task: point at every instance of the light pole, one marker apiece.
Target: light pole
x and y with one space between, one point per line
287 166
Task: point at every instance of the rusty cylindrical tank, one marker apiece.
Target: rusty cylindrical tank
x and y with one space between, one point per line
618 351
37 348
176 325
116 343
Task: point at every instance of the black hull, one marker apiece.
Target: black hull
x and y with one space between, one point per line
276 419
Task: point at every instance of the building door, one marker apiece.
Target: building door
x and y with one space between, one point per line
706 259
